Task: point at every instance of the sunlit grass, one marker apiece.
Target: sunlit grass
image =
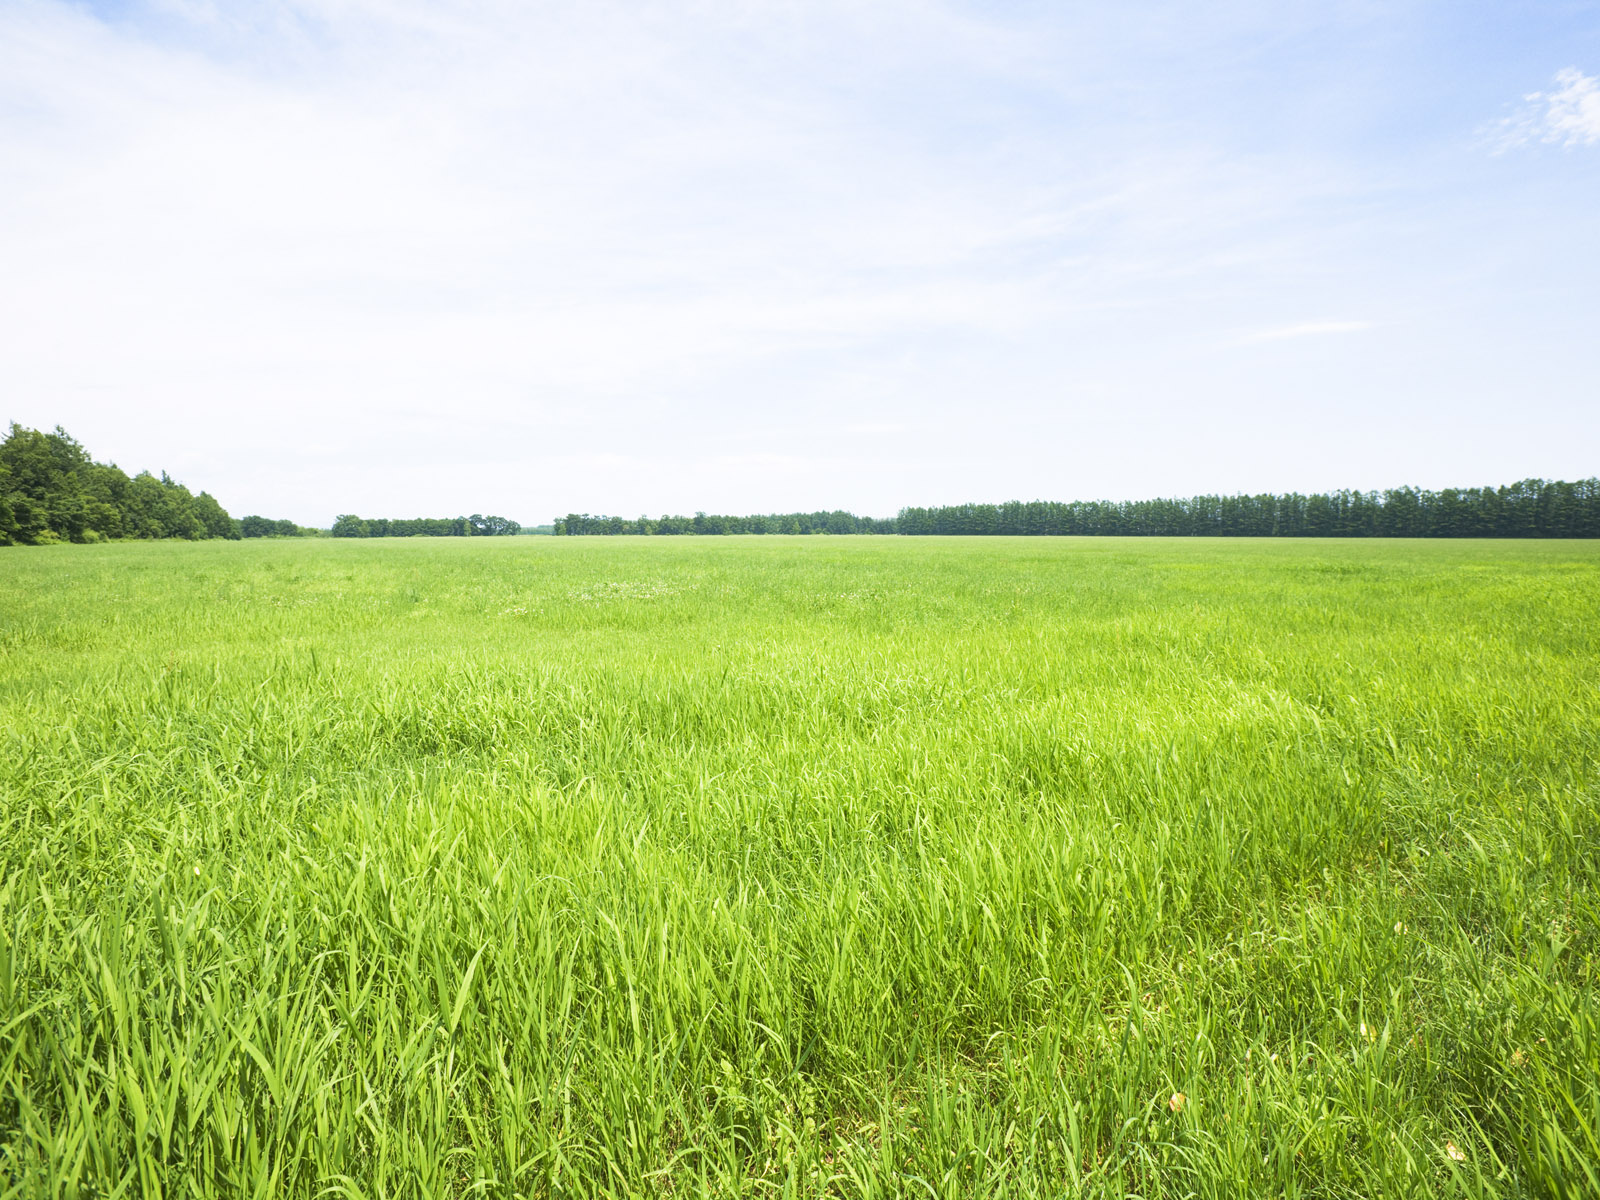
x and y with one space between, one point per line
797 867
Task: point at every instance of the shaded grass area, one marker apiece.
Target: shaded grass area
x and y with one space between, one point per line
800 867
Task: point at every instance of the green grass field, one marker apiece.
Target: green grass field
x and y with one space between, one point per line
800 867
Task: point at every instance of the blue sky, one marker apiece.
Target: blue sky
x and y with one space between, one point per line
760 255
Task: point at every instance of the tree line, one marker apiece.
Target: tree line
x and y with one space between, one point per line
1531 508
259 527
52 491
582 524
477 525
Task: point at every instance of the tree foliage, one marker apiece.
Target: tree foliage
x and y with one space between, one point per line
259 527
1532 508
477 525
813 522
52 491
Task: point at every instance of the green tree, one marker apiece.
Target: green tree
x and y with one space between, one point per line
52 490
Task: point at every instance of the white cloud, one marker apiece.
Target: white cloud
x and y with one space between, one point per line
338 208
1567 115
1573 113
410 255
406 203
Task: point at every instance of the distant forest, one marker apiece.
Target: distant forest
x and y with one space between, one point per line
1533 508
575 524
52 491
258 527
477 525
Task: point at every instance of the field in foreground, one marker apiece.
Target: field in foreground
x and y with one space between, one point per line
799 867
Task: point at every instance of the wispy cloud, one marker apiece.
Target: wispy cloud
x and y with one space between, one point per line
1566 115
1303 329
545 255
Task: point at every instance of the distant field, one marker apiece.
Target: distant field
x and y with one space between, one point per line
800 867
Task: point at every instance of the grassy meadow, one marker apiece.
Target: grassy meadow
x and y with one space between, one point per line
793 867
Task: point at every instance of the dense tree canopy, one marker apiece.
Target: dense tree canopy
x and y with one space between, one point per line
259 527
51 491
477 525
1531 508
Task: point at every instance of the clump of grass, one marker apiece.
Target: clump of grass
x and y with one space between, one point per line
800 868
